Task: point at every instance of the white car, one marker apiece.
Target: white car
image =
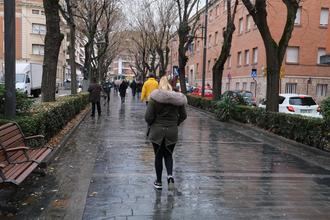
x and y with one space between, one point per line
297 104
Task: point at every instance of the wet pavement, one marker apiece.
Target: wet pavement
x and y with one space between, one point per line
221 171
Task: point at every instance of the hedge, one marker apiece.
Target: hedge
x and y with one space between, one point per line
49 118
311 131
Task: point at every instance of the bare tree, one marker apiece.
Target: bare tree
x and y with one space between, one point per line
68 11
90 12
186 32
217 69
161 21
274 51
143 49
53 41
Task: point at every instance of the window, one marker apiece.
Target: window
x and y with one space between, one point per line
210 15
227 86
298 17
237 86
198 45
217 10
291 88
35 12
197 68
42 12
321 89
324 17
229 61
320 52
247 57
252 87
255 55
216 38
210 40
240 26
292 54
248 23
38 49
239 58
208 65
244 86
38 28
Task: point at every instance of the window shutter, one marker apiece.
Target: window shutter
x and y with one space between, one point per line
292 54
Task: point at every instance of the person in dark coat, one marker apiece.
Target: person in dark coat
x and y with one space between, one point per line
95 90
133 87
106 89
139 86
122 90
165 112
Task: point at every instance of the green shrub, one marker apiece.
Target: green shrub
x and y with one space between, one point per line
23 103
225 108
49 118
325 108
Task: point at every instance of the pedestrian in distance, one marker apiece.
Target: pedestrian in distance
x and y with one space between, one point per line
133 86
95 90
150 85
139 85
122 90
106 89
165 112
117 83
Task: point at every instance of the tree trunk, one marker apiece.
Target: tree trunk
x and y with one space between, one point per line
72 54
53 41
182 68
217 72
273 76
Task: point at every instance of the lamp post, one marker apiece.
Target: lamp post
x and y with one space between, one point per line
205 45
309 81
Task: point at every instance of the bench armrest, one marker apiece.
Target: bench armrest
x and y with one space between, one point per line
17 148
34 137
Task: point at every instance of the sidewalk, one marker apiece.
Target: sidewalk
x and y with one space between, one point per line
222 171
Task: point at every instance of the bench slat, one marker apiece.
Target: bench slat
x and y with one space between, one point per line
26 173
12 137
9 135
15 139
5 126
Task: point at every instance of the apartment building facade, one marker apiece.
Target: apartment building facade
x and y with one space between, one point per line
30 35
302 71
124 63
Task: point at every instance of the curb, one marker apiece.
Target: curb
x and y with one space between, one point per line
49 158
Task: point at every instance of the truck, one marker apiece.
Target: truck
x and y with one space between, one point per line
28 78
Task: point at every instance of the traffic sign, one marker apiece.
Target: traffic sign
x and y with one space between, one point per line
254 73
175 71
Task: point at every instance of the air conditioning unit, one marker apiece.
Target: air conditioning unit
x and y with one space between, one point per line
325 59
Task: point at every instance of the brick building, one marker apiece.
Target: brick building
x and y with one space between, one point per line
30 35
302 71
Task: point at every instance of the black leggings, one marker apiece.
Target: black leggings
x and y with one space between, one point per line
166 153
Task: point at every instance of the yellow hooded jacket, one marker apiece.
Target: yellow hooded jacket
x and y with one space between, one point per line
150 85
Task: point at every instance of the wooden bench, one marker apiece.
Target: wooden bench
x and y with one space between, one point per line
17 160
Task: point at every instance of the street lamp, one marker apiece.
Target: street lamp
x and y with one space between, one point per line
205 45
309 81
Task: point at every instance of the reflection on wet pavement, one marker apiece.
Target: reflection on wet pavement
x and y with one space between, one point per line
220 173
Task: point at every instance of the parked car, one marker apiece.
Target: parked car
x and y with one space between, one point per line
240 96
188 87
297 104
198 92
